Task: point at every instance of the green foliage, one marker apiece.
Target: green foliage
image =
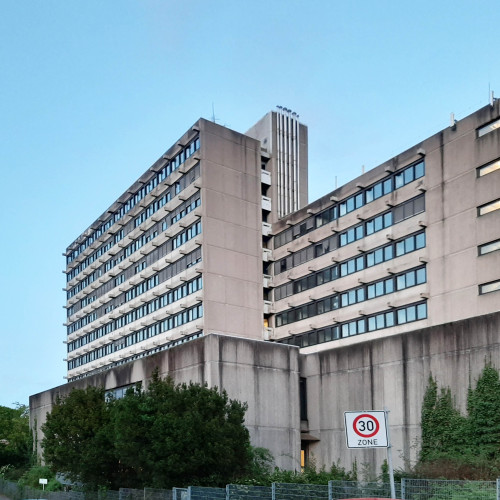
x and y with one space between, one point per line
442 424
462 447
483 407
187 434
310 475
167 435
78 438
32 476
16 445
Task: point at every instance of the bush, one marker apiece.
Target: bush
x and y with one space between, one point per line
32 478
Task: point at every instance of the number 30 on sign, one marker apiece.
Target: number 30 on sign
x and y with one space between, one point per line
365 429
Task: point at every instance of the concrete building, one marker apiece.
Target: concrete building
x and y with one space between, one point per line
215 268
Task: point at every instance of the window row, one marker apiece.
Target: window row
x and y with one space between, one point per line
165 325
161 276
356 295
143 310
488 207
492 286
170 167
188 234
378 223
492 246
378 255
168 246
490 127
138 355
385 319
365 196
488 168
151 209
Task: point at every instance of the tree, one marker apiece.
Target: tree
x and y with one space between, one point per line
15 437
78 438
175 435
483 407
462 447
166 435
441 423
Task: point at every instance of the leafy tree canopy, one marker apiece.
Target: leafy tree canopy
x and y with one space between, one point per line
78 438
15 437
464 446
163 436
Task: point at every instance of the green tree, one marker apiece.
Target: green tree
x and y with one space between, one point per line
483 407
441 423
167 435
78 438
462 447
15 437
176 435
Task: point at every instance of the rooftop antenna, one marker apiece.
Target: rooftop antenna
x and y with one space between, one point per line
213 113
492 98
453 122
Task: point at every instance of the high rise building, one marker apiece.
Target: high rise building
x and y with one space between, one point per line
181 252
214 266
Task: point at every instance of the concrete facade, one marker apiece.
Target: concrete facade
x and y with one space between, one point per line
264 375
214 267
392 372
439 200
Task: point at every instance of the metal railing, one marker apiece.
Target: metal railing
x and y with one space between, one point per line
406 489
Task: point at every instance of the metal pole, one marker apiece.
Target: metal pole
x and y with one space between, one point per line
389 453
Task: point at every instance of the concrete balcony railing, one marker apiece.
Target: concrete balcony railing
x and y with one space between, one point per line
267 281
265 177
266 229
266 203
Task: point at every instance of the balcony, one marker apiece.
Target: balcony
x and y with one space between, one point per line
267 281
265 177
267 333
266 203
266 229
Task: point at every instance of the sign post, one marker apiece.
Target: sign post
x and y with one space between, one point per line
370 429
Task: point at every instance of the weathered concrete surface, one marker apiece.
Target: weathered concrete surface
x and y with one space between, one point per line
393 372
390 372
262 374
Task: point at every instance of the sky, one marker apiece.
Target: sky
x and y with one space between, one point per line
93 92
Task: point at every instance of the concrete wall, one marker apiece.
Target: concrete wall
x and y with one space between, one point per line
390 372
262 374
393 372
232 228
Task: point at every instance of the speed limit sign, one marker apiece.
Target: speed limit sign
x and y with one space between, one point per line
365 429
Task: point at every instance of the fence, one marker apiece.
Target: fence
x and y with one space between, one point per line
361 489
435 489
407 489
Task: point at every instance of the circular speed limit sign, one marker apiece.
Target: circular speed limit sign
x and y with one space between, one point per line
365 429
366 425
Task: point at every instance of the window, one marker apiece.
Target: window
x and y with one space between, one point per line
489 247
488 207
488 168
490 127
493 286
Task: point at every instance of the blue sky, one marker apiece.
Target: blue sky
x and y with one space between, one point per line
93 92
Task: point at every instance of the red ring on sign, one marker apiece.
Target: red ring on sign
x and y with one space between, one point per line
371 417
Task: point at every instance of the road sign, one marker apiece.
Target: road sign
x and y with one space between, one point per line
365 429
